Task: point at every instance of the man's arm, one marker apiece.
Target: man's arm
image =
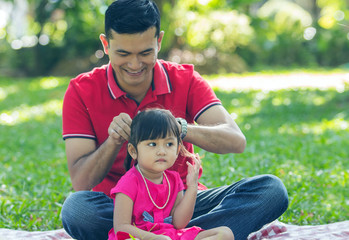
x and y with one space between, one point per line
216 132
87 164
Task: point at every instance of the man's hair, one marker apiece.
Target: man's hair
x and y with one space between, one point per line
131 16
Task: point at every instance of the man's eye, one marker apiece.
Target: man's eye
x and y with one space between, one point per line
121 53
145 54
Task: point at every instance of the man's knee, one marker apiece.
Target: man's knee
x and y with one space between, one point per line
276 192
83 208
87 213
72 206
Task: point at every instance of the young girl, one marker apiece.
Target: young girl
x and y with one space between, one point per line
149 199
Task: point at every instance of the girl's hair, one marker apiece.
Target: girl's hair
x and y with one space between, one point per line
152 124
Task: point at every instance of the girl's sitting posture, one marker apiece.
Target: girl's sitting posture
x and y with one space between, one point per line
150 202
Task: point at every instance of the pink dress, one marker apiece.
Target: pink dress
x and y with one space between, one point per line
145 215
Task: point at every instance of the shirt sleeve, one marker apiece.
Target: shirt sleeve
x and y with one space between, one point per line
201 96
75 115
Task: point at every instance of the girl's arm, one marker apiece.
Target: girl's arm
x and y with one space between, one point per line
123 219
183 209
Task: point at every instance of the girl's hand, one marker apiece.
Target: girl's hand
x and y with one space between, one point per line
193 172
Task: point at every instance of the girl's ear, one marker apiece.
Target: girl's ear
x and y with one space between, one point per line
132 151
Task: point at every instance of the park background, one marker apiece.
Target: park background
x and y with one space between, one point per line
300 134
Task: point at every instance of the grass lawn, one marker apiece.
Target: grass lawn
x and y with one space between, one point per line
301 136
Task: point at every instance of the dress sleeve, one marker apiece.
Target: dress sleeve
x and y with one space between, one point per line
128 184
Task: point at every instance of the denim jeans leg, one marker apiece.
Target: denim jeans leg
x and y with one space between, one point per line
88 215
244 206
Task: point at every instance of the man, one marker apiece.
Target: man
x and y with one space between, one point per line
97 112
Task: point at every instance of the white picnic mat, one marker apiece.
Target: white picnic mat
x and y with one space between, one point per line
275 230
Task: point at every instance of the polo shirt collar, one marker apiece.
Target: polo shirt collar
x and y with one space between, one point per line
161 82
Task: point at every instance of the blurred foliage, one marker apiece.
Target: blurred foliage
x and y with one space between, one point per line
61 37
289 34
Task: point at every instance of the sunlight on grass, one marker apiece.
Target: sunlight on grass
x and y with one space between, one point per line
3 94
239 107
25 113
315 100
5 91
48 83
315 127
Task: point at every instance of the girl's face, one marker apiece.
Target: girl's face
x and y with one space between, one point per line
155 156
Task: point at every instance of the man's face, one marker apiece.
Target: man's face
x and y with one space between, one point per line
133 57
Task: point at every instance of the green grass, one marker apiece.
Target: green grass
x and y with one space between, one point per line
34 179
301 136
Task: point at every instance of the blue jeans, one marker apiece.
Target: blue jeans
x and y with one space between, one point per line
244 207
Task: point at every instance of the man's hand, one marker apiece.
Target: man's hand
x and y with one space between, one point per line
120 128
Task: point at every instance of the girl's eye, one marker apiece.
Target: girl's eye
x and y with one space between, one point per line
152 144
170 144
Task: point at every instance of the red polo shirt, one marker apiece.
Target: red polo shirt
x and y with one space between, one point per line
93 99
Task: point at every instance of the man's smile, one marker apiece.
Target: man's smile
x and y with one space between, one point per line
135 73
